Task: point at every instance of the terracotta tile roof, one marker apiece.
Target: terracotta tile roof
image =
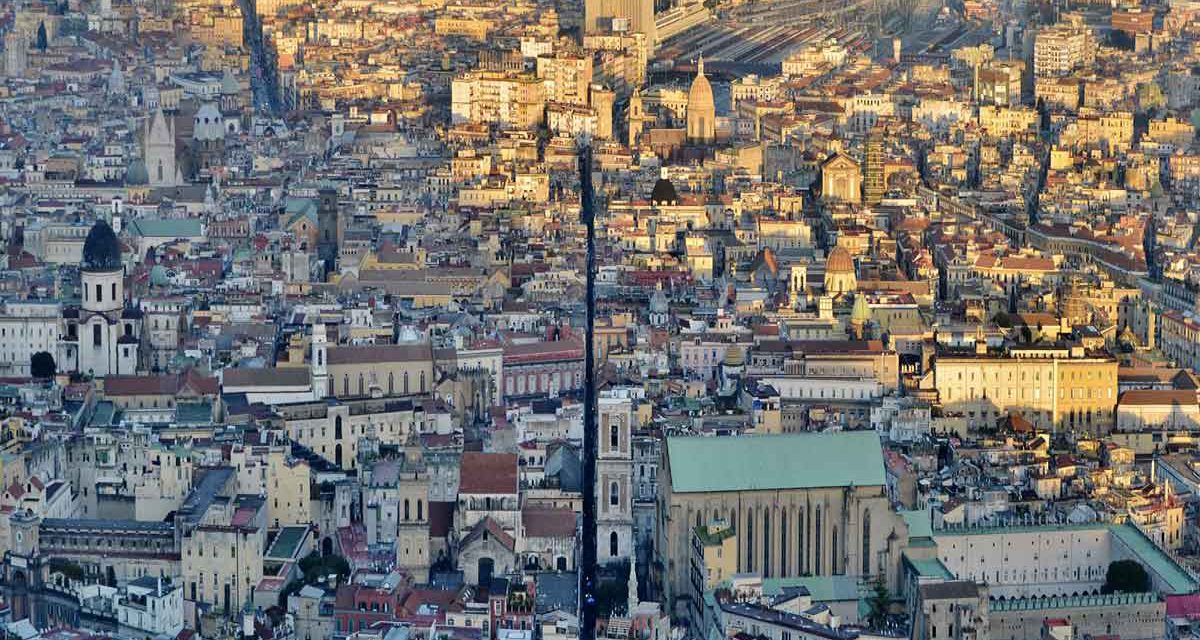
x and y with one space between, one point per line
1152 397
441 519
493 529
140 385
494 473
548 523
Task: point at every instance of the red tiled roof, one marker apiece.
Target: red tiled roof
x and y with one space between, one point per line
494 473
1154 397
548 523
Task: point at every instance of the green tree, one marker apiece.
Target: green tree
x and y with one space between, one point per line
42 366
42 40
1126 576
317 567
880 602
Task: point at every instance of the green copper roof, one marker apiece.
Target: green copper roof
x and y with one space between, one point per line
769 462
920 523
821 588
1173 578
929 567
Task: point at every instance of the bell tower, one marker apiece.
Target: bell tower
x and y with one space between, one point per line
319 368
636 118
614 479
107 346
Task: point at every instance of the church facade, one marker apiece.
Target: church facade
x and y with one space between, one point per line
803 504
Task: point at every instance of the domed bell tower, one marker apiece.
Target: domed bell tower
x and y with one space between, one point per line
102 278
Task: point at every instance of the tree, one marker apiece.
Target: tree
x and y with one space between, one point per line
42 40
41 365
317 567
1126 576
880 602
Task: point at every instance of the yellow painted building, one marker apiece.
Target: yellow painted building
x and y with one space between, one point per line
714 556
1055 388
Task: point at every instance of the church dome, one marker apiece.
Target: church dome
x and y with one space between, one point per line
664 193
101 250
700 96
159 276
839 261
701 108
136 174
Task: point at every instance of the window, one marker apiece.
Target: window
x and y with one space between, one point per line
99 293
614 494
114 291
97 339
614 438
750 540
613 544
783 544
866 544
766 538
817 542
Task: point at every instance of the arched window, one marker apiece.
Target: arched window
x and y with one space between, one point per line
345 384
422 382
784 569
801 552
866 543
750 540
405 383
834 565
420 509
99 293
406 514
391 383
766 535
614 544
361 388
817 560
614 494
114 291
337 428
614 438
